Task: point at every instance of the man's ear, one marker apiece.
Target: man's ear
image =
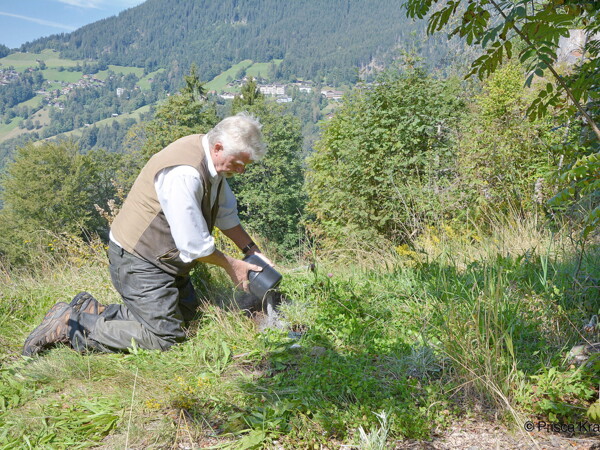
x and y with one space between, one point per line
218 147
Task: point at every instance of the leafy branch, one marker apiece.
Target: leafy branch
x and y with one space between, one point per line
493 23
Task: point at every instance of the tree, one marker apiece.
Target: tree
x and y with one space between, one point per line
501 157
496 24
194 88
385 158
182 114
52 187
537 25
270 194
249 95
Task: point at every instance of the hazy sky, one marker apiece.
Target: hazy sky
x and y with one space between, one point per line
25 20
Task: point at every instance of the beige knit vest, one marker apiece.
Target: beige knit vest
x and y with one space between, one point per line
141 227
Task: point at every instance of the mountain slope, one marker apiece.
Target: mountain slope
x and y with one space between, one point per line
314 37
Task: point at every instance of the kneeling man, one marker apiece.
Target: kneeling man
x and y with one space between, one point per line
162 231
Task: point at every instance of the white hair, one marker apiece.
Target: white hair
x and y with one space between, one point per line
239 134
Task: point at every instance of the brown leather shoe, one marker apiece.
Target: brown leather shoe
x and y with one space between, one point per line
85 302
54 329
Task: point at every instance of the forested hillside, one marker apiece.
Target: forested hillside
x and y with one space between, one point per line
96 82
315 39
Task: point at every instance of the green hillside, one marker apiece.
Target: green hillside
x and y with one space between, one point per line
22 61
107 122
57 78
314 38
248 67
145 82
322 41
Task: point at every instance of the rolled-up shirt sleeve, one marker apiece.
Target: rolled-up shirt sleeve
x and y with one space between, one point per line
179 191
227 217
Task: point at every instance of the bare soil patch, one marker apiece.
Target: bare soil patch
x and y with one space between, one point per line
473 435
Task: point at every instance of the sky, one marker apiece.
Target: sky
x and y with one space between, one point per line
26 20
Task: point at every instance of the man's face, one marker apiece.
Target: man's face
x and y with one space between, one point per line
229 165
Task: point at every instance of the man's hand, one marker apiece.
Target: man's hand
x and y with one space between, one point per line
238 272
235 268
257 252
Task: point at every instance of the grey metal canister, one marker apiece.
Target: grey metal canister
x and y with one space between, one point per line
261 282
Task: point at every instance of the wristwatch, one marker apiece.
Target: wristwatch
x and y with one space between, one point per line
248 247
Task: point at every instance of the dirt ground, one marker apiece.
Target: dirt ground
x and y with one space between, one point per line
473 435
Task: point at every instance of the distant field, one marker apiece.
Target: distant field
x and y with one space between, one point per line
21 61
65 75
53 85
132 115
138 71
11 130
103 74
219 82
261 69
43 115
144 82
8 127
34 102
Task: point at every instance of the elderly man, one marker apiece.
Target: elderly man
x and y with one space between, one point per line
162 231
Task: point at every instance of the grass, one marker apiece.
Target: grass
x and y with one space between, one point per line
34 102
461 325
145 83
125 70
8 127
261 69
22 61
219 83
11 130
65 75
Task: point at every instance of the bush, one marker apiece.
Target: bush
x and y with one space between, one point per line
385 159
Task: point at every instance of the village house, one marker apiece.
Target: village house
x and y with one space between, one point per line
272 89
302 87
330 94
8 76
227 95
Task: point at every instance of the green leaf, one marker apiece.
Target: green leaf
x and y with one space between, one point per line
593 412
528 80
520 11
252 440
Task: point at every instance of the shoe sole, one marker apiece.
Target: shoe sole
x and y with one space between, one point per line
30 348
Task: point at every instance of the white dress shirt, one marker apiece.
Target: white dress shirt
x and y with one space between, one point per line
179 190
